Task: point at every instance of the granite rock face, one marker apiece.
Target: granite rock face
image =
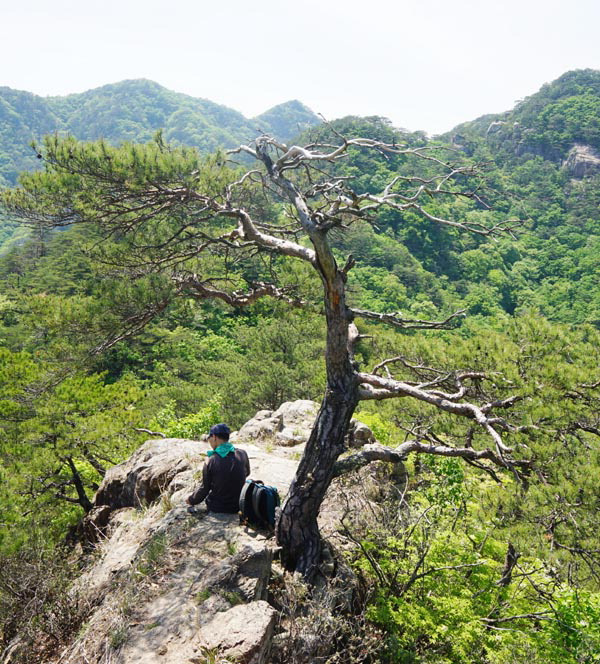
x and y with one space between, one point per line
287 426
290 426
243 633
582 161
170 586
147 473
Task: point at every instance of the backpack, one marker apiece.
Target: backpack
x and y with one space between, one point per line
258 503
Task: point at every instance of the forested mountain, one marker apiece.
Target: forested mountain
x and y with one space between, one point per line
99 340
562 114
546 152
132 110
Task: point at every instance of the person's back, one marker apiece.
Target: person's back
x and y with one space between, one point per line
223 475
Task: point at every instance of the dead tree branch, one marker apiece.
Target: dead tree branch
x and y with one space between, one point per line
378 452
396 320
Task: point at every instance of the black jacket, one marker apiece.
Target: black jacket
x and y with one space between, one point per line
222 482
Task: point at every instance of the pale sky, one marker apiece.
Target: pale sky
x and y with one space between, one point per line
425 64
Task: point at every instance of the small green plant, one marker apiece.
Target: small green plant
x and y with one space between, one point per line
151 625
231 547
166 503
202 595
118 636
384 431
213 656
154 552
232 596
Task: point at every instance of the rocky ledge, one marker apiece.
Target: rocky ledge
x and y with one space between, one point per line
172 587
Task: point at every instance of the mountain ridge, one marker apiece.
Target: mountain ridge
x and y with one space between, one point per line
133 110
549 123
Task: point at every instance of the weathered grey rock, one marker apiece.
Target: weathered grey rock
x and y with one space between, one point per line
263 414
174 571
246 573
288 426
289 437
298 418
298 412
95 524
260 426
168 586
582 161
244 633
495 126
181 482
359 434
147 473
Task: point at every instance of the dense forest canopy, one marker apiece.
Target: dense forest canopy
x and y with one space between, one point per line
532 305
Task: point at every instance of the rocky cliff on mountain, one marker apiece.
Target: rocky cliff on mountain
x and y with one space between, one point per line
582 161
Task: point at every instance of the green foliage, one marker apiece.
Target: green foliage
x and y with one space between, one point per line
152 555
56 444
127 111
279 359
130 111
191 426
286 120
441 591
384 430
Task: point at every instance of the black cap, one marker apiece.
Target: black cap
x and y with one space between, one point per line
220 431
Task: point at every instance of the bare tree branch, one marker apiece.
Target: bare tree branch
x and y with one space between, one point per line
150 433
196 287
591 386
376 387
378 452
540 615
408 323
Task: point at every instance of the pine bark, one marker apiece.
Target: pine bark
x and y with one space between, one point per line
297 528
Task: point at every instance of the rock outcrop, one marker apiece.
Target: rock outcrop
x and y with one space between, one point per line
290 426
174 587
287 426
147 473
582 161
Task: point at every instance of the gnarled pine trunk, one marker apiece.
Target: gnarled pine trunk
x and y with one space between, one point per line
297 529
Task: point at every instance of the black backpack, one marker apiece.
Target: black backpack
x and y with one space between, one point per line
257 504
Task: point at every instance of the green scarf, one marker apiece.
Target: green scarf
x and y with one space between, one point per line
223 450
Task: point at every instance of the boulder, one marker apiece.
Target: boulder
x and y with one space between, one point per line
495 127
288 426
262 425
147 473
243 633
95 524
359 434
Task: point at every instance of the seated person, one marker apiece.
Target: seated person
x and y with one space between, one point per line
223 475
